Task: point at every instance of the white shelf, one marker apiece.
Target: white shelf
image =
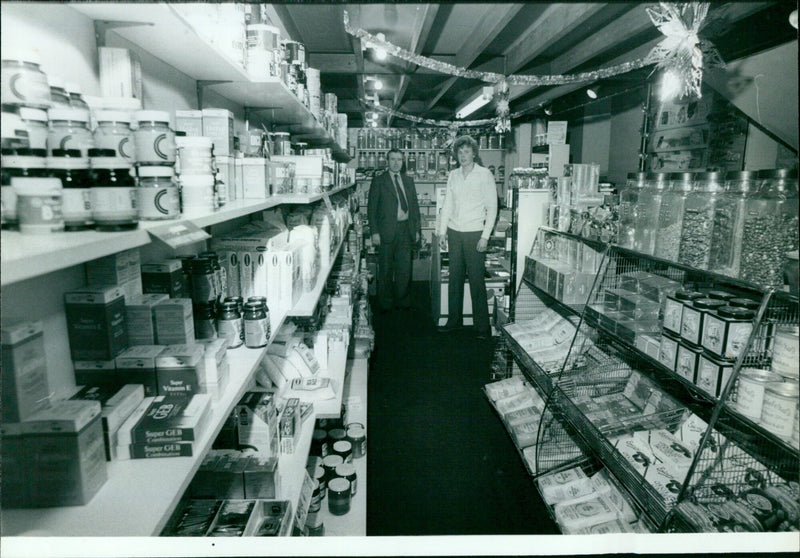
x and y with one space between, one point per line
308 302
331 408
140 494
292 467
307 198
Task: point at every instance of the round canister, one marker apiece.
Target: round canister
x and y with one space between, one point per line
779 409
159 197
334 435
39 203
329 463
69 129
786 353
23 82
322 477
282 144
319 443
197 193
357 435
36 123
295 52
155 141
752 385
344 449
339 495
348 471
113 131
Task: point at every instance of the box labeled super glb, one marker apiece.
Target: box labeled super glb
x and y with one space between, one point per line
174 321
96 323
179 369
163 277
141 318
137 365
24 372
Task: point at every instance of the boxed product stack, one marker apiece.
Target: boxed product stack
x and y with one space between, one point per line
563 267
546 338
122 269
308 171
117 406
233 474
232 518
256 422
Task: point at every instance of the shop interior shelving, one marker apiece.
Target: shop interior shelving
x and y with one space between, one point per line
192 55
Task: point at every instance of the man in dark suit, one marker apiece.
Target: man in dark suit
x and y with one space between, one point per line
393 215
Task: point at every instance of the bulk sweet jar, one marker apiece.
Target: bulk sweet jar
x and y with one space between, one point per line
649 208
628 204
729 212
698 220
670 217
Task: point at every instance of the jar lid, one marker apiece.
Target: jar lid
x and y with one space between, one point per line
345 469
688 295
21 54
708 303
338 485
250 305
740 175
194 141
336 433
152 116
27 113
229 305
233 299
744 303
760 375
69 114
259 299
342 445
736 313
319 434
56 82
778 173
787 389
197 180
720 295
155 171
113 116
319 472
110 163
97 152
36 186
281 134
332 461
67 159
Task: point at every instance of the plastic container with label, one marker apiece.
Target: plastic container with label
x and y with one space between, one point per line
69 129
113 131
38 204
197 193
113 196
18 162
154 139
158 194
23 81
36 122
69 166
58 92
194 155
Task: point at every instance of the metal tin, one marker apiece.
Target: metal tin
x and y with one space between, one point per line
692 318
339 494
357 435
348 471
668 351
786 353
752 384
720 295
687 361
779 409
712 374
726 331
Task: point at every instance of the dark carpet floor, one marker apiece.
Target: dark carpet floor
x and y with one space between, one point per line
439 460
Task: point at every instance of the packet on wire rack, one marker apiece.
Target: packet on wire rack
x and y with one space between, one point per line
607 528
504 388
526 414
515 402
636 451
565 485
617 498
582 515
525 433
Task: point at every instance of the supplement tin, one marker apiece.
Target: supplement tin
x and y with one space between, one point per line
113 194
72 169
39 204
692 318
114 132
229 324
779 409
348 471
752 385
158 194
154 140
673 309
256 326
204 323
668 351
725 333
339 494
69 129
687 361
713 374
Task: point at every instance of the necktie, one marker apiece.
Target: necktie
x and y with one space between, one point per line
400 194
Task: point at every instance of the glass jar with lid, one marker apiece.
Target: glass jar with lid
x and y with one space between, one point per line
113 195
411 164
113 131
75 94
770 228
18 162
69 129
371 160
698 220
381 160
154 139
649 208
35 121
23 81
422 165
726 233
158 194
58 92
628 204
72 169
431 164
361 138
670 218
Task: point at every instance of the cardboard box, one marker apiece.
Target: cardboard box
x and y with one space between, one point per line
174 321
306 166
257 419
218 125
120 73
16 464
137 365
117 406
179 369
140 318
96 323
24 371
121 269
255 181
164 277
189 121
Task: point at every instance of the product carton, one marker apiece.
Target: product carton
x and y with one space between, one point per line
16 463
121 269
306 166
179 369
117 406
137 365
257 417
218 125
24 371
236 518
164 277
174 321
229 476
261 478
255 180
189 121
140 318
120 73
289 427
215 361
96 322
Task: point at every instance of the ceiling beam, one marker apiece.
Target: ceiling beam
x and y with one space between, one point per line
494 23
555 22
423 22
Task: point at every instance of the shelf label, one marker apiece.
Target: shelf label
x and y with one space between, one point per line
179 234
557 132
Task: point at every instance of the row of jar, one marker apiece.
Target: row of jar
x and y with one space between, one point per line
740 224
69 192
422 138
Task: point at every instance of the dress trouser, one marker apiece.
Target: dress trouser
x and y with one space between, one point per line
394 269
465 258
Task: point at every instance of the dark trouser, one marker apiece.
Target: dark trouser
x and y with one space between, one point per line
465 258
394 268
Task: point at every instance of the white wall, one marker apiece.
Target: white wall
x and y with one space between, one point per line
597 135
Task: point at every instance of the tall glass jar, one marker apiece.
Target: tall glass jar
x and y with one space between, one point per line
432 164
113 131
767 229
649 208
670 218
628 208
411 164
371 160
380 139
698 220
422 165
726 236
381 160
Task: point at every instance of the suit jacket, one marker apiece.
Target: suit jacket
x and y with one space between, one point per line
383 202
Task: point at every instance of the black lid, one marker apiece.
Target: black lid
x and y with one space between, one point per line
688 295
256 298
8 151
720 295
737 313
233 299
744 303
76 153
708 303
319 434
97 152
252 305
230 304
778 173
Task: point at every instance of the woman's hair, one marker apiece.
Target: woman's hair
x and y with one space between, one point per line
462 141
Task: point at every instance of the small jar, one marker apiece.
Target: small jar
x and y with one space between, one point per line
197 193
339 495
726 331
321 476
713 374
687 362
113 131
344 449
357 436
158 195
38 204
282 143
329 464
69 166
58 93
256 326
36 123
23 81
229 324
668 351
75 94
319 443
336 435
69 129
692 318
186 269
204 322
348 472
779 409
203 280
673 309
195 155
113 195
19 162
154 139
751 386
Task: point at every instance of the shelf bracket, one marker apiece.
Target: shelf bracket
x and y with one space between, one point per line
202 84
101 26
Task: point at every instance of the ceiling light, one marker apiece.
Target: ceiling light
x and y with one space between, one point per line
548 111
592 93
475 102
374 123
670 86
378 84
793 19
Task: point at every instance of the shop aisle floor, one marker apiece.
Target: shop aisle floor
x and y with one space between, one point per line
439 460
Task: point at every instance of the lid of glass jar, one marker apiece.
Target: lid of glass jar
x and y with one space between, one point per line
780 174
744 303
720 295
281 135
688 295
24 152
682 181
107 159
56 82
68 114
159 116
710 181
786 389
27 113
707 303
155 171
15 53
740 181
736 313
70 159
112 116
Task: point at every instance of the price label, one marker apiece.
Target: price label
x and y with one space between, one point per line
179 234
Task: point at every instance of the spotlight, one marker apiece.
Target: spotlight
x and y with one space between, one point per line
380 53
793 19
670 86
378 84
548 110
374 123
592 93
